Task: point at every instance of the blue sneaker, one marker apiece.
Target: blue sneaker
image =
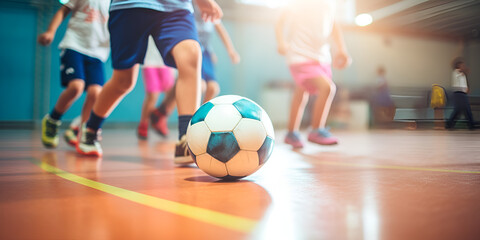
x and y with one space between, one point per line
322 136
293 138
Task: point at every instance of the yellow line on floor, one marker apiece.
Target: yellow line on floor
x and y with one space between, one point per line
224 220
390 166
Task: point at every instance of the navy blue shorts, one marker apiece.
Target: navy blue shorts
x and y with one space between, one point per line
74 65
208 70
130 28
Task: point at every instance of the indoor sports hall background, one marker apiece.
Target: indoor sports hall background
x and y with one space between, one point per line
397 171
416 53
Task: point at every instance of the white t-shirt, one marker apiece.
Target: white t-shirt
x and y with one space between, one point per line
87 31
152 57
459 81
310 24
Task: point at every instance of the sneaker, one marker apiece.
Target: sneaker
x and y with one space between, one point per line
50 131
71 136
159 122
322 136
88 143
142 131
293 138
182 155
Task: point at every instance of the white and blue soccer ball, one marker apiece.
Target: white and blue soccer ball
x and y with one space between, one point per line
230 137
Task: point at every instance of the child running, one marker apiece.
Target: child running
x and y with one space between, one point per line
171 24
84 49
311 24
205 31
157 78
210 86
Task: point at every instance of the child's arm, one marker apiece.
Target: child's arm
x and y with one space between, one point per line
227 42
210 10
47 37
341 59
282 45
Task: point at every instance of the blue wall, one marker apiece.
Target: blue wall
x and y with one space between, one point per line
255 41
17 69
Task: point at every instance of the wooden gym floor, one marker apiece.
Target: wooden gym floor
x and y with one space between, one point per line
383 184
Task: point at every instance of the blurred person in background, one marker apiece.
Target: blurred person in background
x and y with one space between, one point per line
460 89
383 105
157 78
83 50
303 32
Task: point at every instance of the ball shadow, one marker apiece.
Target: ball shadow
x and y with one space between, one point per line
214 179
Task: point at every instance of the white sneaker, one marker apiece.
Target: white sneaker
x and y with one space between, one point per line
88 142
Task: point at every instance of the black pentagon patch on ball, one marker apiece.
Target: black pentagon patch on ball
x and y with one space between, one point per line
222 146
248 109
201 113
230 178
265 150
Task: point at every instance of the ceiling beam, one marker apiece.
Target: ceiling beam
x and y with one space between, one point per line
394 8
418 16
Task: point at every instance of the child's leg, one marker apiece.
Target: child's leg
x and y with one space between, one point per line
188 61
187 55
148 106
121 83
71 134
159 116
73 91
212 88
92 94
326 92
51 122
168 103
299 101
211 91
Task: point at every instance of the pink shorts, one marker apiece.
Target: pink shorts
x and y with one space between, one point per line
303 72
158 79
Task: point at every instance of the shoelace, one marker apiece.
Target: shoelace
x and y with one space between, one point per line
51 130
90 137
324 132
183 144
294 136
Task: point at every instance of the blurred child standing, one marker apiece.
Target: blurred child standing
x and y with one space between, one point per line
303 31
157 78
84 49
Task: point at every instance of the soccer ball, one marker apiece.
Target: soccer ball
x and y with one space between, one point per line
230 137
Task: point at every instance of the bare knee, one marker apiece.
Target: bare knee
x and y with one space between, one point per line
213 88
76 88
187 55
328 88
93 91
124 80
332 88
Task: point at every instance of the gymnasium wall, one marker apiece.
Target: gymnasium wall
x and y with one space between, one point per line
473 62
30 78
